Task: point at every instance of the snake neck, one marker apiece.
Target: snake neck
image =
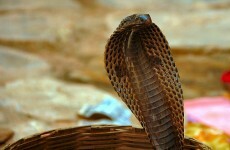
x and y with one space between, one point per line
155 113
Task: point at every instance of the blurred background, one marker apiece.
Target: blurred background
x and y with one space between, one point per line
52 52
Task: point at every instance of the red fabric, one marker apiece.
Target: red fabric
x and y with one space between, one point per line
226 77
212 111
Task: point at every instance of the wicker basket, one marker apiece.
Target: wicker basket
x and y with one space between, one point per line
87 137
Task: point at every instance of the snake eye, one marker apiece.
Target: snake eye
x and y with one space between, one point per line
143 18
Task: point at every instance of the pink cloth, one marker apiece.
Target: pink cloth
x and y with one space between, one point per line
212 111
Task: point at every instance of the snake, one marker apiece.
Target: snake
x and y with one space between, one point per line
142 71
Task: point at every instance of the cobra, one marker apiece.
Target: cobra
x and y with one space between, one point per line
142 71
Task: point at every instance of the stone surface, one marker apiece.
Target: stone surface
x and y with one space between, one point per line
15 64
200 74
27 26
40 104
5 134
28 5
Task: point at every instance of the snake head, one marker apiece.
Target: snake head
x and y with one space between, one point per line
136 21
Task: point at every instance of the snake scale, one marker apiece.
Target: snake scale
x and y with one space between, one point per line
141 69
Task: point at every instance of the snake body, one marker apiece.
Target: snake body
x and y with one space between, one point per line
142 71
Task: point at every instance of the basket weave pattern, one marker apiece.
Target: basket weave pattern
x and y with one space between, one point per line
87 137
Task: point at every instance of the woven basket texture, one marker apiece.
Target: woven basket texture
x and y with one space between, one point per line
87 137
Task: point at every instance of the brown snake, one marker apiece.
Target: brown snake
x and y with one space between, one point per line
142 71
